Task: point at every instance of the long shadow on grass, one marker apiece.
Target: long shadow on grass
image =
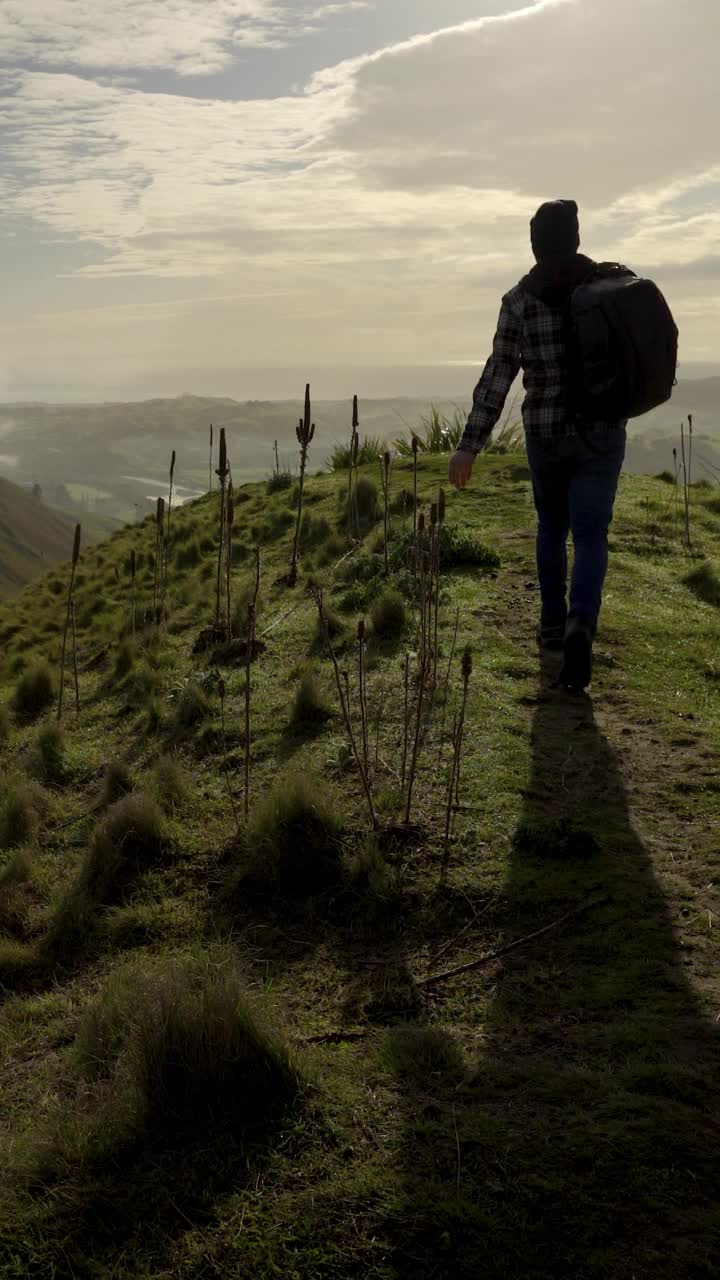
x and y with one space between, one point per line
583 1143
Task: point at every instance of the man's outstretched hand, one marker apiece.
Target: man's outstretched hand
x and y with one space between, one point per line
460 469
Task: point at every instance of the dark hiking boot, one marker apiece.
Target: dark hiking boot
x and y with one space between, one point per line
551 637
576 672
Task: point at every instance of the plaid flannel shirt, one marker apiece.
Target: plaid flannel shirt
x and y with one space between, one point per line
530 335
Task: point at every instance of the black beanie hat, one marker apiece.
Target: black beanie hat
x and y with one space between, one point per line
555 230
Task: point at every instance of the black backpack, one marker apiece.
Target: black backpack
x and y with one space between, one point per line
623 345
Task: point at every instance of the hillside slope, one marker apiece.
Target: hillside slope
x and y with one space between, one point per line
503 1047
32 537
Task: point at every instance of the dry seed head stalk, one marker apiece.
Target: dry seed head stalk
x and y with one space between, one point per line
221 689
415 445
356 416
466 665
361 630
133 564
172 466
433 515
76 545
222 461
441 506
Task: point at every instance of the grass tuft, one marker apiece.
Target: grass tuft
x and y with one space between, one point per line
186 1052
193 706
170 783
292 844
117 782
308 709
34 692
422 1054
704 584
19 816
387 614
49 761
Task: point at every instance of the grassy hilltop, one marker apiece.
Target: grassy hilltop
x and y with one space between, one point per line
221 1054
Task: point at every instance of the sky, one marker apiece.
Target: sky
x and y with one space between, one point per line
231 197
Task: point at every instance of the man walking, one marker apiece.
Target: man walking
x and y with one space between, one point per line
575 465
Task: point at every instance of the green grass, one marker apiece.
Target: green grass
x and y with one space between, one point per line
550 1115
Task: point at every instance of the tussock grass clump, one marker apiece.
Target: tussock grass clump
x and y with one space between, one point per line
554 838
309 709
117 782
292 843
193 706
34 692
127 841
278 482
125 658
188 556
184 1050
387 614
364 504
19 815
17 870
170 783
142 684
704 584
422 1053
49 761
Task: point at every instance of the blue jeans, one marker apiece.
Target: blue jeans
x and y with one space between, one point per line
574 483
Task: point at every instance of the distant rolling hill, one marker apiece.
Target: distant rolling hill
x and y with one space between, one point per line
112 460
33 537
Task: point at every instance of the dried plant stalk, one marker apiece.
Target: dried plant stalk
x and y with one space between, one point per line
686 486
419 712
222 472
133 589
305 433
352 462
406 717
345 705
75 661
68 613
210 461
466 672
229 522
249 655
221 691
362 689
385 476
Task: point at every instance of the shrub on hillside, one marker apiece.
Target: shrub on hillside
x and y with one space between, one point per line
170 783
279 481
704 584
125 658
188 556
34 692
387 614
364 502
19 816
292 844
126 842
49 760
308 709
193 706
117 782
185 1050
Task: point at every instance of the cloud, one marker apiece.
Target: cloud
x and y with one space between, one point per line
378 214
189 37
596 97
